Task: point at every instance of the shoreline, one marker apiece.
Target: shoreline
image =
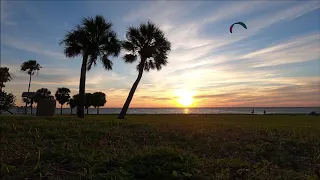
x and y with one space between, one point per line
177 114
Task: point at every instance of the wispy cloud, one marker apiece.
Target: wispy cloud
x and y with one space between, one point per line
300 49
30 46
5 13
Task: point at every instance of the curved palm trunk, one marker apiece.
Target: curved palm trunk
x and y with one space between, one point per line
80 108
71 111
61 109
98 110
132 91
25 110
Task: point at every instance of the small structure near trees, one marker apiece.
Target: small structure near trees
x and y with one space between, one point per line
45 107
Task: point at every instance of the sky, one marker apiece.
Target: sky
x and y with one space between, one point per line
273 63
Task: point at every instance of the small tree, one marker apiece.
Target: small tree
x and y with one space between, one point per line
28 101
30 67
7 101
62 96
87 101
5 76
98 99
72 104
43 93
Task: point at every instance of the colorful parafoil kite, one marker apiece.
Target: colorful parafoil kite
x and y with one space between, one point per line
241 23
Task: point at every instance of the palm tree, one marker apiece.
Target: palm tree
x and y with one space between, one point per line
5 76
149 43
98 99
28 101
30 67
72 104
62 96
43 93
76 100
92 39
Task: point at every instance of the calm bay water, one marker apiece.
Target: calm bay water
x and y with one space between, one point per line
230 110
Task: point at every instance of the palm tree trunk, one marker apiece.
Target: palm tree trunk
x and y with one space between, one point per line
28 91
61 109
98 110
132 91
71 111
82 87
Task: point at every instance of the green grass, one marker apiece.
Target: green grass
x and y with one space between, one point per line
160 147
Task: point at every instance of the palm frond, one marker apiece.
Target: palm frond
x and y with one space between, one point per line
95 38
129 58
107 63
150 43
30 67
128 46
92 60
110 45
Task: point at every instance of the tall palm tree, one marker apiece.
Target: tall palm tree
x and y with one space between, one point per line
62 96
30 67
149 43
5 76
92 39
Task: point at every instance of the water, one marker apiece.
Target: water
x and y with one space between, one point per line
230 110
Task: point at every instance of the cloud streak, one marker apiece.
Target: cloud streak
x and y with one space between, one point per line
31 47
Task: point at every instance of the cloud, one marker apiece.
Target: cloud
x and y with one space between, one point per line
300 49
4 13
30 46
191 48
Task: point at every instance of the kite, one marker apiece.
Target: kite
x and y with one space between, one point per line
241 23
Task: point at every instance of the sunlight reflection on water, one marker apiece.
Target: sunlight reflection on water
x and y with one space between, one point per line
186 111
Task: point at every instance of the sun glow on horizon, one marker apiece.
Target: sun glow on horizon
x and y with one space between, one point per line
185 98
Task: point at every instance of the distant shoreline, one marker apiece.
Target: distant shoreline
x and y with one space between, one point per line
186 107
177 114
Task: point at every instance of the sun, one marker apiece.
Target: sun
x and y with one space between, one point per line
185 98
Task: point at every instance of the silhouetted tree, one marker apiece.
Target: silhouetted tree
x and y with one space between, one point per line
98 99
28 101
62 96
76 99
43 93
5 76
72 104
30 67
7 101
92 39
87 101
149 44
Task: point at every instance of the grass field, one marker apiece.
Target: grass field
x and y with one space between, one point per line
161 147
